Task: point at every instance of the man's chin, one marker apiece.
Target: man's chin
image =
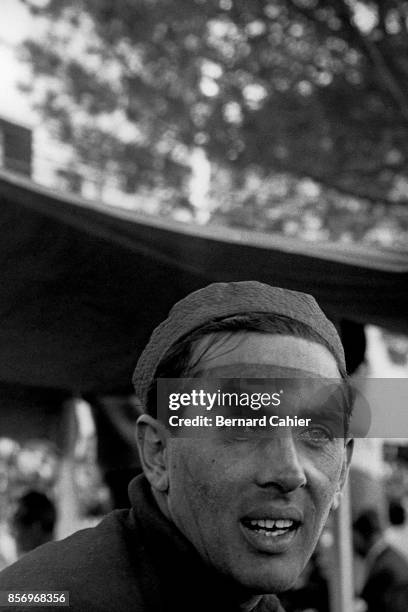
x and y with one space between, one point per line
273 577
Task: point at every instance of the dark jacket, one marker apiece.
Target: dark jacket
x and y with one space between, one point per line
132 561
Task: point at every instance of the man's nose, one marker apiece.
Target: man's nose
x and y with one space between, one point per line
280 465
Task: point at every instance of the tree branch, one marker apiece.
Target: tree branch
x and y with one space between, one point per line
385 77
332 182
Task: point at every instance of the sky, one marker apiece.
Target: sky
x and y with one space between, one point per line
15 25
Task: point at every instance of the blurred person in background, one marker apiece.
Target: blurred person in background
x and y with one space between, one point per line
33 521
386 570
397 531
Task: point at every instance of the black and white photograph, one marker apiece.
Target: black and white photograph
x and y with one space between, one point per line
204 305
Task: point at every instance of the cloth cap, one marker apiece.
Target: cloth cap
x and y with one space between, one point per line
220 300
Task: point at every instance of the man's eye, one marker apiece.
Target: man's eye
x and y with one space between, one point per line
317 435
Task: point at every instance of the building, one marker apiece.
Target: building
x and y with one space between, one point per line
15 147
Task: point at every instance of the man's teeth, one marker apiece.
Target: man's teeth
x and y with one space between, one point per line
271 524
280 525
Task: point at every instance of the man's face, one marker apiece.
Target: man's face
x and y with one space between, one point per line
225 495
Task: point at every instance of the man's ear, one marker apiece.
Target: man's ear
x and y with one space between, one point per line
348 453
152 444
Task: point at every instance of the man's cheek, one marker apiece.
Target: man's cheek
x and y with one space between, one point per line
195 473
327 468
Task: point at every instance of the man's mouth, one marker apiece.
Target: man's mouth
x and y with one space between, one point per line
273 530
271 527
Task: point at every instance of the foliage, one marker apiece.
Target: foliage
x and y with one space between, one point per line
303 209
302 88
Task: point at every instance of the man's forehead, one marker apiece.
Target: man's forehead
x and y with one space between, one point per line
261 354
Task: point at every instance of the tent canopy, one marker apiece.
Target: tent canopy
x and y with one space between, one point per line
84 284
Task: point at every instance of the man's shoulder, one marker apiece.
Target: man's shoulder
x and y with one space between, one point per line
92 564
389 571
391 558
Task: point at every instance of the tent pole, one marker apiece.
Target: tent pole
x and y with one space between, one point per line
341 581
67 502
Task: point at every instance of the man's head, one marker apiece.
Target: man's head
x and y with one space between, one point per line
33 521
253 508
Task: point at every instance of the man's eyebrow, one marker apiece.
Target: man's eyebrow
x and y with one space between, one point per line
335 418
321 413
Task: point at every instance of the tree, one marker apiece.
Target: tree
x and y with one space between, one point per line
303 209
306 88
